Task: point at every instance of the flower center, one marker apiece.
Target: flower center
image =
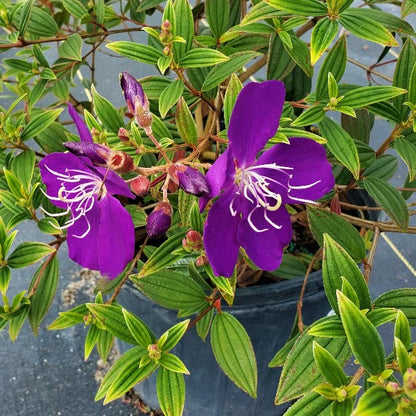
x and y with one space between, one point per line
255 187
79 190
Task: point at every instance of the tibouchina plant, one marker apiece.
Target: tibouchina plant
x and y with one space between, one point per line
245 160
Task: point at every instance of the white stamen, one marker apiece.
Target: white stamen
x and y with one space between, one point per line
251 222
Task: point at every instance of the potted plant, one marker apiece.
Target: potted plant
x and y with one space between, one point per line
208 195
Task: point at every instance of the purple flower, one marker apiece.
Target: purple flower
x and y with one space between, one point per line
97 153
100 231
192 180
250 210
159 220
136 100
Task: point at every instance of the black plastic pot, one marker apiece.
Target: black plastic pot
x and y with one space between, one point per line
267 312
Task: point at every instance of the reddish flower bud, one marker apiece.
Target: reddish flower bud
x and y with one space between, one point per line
192 241
158 222
140 185
120 162
409 383
137 101
123 134
201 260
191 180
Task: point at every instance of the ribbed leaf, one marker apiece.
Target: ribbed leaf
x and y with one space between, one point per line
234 352
365 341
407 151
170 389
75 7
197 58
336 264
222 71
28 253
279 62
233 89
39 123
366 28
311 116
300 373
389 198
403 299
106 112
25 16
300 53
71 48
137 51
341 145
173 363
173 335
300 7
218 14
184 28
322 35
376 402
140 331
323 221
170 96
185 123
48 275
260 11
312 404
364 96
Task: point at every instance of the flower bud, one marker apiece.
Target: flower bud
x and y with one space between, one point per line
409 383
140 185
120 162
97 153
154 351
192 241
201 260
192 180
158 222
136 100
123 134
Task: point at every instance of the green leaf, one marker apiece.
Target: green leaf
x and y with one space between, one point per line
71 48
5 274
403 299
335 62
99 11
329 366
162 256
140 331
336 264
163 63
234 353
365 341
39 123
366 28
322 35
300 373
407 151
173 363
388 20
40 23
222 71
389 198
75 7
218 14
341 145
402 74
280 357
300 7
279 62
136 51
185 123
48 275
402 355
300 54
383 168
172 290
170 389
184 28
363 96
322 221
231 93
111 317
197 58
204 324
170 96
185 204
16 323
38 90
311 116
312 404
408 7
402 329
375 402
260 11
28 253
90 340
104 344
69 318
26 11
173 335
412 86
106 112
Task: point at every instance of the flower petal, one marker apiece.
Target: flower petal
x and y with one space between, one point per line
311 172
216 178
255 119
58 163
265 248
115 237
114 184
83 131
220 234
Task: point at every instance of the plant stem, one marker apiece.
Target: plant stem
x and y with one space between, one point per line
368 265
